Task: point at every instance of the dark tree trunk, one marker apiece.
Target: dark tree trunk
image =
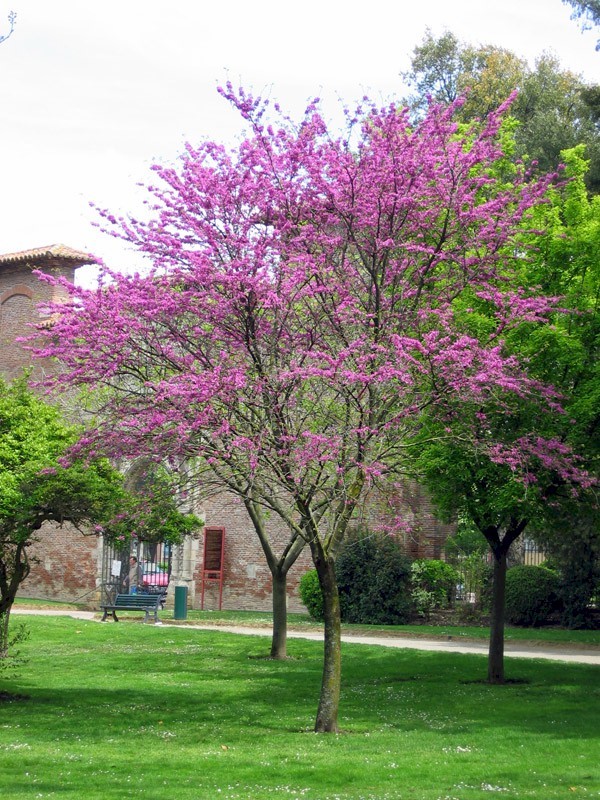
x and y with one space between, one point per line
327 713
14 568
279 568
279 638
4 620
496 651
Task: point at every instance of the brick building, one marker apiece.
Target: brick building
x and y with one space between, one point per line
70 566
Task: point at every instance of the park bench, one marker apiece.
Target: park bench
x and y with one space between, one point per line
148 603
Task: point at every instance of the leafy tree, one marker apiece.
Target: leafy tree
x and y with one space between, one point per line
502 496
588 11
567 265
299 316
36 488
555 109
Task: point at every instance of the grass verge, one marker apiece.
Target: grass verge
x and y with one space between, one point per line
301 621
142 711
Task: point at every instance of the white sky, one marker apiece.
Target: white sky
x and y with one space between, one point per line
92 93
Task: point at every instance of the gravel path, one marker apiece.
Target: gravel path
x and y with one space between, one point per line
557 652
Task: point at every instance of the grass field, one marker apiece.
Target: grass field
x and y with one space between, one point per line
158 712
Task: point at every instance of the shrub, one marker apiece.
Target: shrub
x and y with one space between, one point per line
435 582
373 576
311 595
580 581
532 594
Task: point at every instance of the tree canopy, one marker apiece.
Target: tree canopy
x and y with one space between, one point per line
555 108
301 314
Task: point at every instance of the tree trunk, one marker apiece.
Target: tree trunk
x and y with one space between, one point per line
496 651
4 619
327 713
279 640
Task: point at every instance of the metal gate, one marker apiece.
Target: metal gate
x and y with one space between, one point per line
154 568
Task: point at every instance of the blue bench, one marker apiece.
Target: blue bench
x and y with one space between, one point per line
148 603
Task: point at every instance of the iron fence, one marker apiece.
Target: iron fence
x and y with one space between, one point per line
151 574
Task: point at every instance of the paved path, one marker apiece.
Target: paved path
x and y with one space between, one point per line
569 653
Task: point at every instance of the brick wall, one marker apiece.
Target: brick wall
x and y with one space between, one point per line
246 576
20 294
64 566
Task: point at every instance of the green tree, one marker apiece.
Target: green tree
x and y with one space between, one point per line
555 108
502 499
36 488
568 265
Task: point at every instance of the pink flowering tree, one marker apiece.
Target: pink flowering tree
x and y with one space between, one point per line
298 316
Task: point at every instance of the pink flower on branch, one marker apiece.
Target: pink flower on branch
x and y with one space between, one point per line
300 305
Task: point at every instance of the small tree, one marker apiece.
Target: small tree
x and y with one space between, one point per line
299 316
12 18
36 488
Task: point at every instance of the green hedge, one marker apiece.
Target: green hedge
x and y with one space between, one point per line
532 595
374 582
311 595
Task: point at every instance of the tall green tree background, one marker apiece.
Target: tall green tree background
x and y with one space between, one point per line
555 109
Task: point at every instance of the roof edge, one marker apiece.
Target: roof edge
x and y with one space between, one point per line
53 251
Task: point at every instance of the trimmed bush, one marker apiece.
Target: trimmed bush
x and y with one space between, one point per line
532 594
311 595
373 576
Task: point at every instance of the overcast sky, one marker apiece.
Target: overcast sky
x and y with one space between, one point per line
92 93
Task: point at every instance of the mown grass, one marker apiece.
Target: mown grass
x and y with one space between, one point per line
133 710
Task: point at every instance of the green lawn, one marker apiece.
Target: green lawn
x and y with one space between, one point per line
133 710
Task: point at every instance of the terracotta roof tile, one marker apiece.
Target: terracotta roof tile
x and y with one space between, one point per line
40 254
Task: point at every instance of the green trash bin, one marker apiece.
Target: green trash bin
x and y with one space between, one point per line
180 610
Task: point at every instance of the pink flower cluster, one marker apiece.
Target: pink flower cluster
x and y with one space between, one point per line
299 310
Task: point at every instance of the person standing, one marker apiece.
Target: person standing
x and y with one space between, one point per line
134 578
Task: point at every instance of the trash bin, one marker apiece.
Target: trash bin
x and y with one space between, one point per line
180 610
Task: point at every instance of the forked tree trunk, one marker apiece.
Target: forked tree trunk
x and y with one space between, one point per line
279 568
496 651
327 713
279 638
